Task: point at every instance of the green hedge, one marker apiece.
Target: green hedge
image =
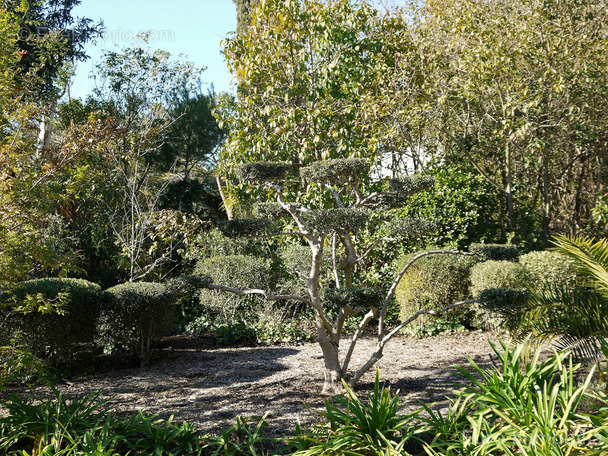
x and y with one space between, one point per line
134 316
53 316
549 269
432 282
498 274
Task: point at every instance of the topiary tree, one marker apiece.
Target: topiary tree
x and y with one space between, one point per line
334 215
136 314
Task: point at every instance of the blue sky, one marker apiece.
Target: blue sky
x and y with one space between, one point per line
191 27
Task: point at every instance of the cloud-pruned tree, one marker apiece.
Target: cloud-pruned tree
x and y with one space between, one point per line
337 229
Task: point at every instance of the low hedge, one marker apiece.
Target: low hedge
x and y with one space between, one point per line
54 316
549 269
498 274
134 316
432 282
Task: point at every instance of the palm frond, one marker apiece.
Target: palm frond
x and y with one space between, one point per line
591 258
576 317
589 348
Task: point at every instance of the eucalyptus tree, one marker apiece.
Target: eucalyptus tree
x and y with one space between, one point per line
335 224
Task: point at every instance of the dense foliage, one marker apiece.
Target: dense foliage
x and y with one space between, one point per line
433 283
134 316
51 316
357 135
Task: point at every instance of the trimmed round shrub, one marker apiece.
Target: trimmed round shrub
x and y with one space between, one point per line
549 269
270 210
263 171
336 220
432 282
409 185
232 319
242 227
498 274
296 261
134 316
337 170
54 315
505 277
409 230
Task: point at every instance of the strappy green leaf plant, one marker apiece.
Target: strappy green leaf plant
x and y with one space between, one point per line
357 428
518 407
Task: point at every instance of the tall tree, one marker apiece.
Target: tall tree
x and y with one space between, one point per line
521 98
194 136
50 37
140 86
310 81
31 241
243 13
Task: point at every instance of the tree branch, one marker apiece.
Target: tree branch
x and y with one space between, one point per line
336 197
390 335
369 250
286 233
351 348
292 211
382 342
255 291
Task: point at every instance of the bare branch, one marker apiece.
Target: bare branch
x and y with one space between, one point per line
351 348
390 335
382 342
334 260
255 291
293 211
336 197
286 233
372 247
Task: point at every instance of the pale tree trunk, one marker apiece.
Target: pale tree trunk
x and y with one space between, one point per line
333 372
45 131
220 187
328 336
508 187
546 198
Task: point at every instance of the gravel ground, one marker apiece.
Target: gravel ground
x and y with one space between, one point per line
210 386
